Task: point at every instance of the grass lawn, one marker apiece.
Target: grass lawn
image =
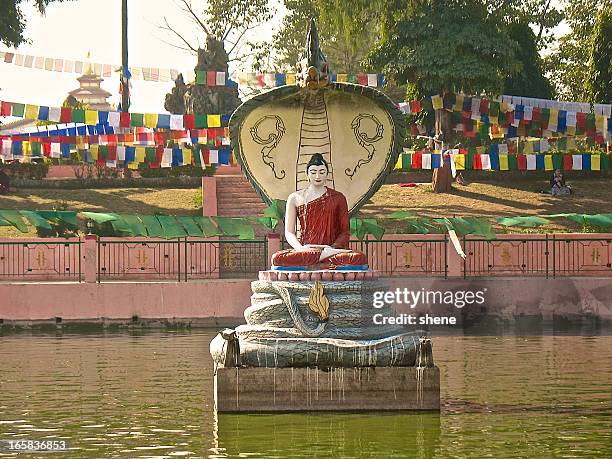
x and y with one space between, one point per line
479 199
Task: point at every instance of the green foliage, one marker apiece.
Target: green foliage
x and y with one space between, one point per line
31 171
599 83
60 222
346 31
444 46
530 81
567 64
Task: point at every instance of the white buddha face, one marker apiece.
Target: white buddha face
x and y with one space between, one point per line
317 175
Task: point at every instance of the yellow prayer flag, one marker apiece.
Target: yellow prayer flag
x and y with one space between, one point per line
214 121
528 147
132 165
600 123
290 78
460 162
503 163
548 164
150 120
458 107
93 151
437 102
31 112
553 120
503 107
398 164
341 77
595 162
91 117
141 154
187 157
26 148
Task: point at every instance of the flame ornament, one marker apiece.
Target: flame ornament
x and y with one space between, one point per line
318 302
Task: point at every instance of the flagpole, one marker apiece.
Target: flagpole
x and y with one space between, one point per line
125 73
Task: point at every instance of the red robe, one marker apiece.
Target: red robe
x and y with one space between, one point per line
323 221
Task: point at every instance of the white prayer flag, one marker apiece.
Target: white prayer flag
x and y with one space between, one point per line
576 162
213 156
485 159
503 148
55 114
528 113
120 153
114 119
176 121
372 79
167 158
56 151
220 79
426 161
570 119
531 162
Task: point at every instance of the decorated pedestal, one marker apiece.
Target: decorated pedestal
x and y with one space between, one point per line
305 335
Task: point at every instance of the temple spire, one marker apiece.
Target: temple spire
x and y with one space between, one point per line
312 70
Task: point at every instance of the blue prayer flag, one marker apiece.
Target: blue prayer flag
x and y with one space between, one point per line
539 162
65 150
436 160
163 121
494 158
130 154
224 156
586 162
280 79
43 113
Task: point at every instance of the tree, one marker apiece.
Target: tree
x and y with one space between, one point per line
345 30
13 23
530 81
228 21
567 64
599 83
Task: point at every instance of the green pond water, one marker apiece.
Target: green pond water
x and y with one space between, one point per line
150 394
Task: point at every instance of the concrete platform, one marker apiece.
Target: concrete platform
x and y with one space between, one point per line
338 389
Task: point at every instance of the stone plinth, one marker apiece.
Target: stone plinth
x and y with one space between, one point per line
338 389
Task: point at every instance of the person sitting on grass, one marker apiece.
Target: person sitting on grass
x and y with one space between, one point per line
558 185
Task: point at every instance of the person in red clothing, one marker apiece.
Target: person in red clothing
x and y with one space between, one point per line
324 229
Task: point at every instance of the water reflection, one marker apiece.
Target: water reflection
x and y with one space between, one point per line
150 394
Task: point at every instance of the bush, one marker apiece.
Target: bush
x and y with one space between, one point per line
182 171
32 171
58 228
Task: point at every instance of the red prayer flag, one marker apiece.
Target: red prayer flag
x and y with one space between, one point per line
521 162
416 160
205 156
46 149
211 78
567 162
189 121
65 115
535 114
415 106
477 164
484 106
581 119
362 79
5 109
124 119
112 152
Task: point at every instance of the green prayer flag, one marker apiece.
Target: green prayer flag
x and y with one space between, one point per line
406 161
201 121
103 152
512 163
150 155
201 77
36 150
605 162
18 110
557 160
469 161
78 115
136 119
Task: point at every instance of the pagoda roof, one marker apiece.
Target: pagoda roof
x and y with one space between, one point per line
87 92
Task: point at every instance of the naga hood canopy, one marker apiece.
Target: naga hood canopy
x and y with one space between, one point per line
358 130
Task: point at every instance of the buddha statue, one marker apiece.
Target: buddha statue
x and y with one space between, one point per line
324 230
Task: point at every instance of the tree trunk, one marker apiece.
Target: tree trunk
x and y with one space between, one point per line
442 177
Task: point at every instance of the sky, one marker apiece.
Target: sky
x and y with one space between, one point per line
69 30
